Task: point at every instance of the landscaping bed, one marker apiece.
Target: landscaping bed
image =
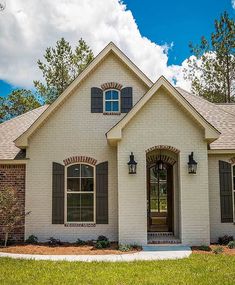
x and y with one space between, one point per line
214 249
64 249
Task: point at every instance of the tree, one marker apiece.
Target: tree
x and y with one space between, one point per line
62 65
11 213
212 68
16 103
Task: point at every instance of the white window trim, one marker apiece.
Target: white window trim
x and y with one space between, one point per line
111 100
78 192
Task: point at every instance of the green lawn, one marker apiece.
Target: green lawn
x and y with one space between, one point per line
198 269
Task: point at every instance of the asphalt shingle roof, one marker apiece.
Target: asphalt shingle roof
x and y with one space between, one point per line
12 129
221 116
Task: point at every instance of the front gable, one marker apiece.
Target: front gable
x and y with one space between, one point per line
210 133
110 52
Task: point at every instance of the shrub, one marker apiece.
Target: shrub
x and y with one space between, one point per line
124 247
102 238
231 244
204 248
136 246
218 250
224 240
54 242
32 239
102 244
80 242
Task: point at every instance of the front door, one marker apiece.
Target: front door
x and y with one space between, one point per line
160 198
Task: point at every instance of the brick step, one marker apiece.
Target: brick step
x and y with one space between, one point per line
160 234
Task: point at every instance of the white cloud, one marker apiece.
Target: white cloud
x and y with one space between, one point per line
233 3
27 27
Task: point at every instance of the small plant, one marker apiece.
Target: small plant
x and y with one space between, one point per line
80 242
231 244
224 240
32 239
218 250
102 238
102 242
204 248
124 247
135 246
54 242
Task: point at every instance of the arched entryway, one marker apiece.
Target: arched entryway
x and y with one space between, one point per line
161 188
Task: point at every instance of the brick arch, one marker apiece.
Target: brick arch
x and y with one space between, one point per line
111 85
151 159
232 160
83 159
163 147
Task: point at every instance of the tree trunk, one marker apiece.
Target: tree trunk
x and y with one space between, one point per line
6 239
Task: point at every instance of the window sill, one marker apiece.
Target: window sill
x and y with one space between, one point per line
80 225
112 113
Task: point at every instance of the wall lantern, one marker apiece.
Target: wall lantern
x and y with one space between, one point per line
132 164
192 164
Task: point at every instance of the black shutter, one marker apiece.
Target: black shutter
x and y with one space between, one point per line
96 100
102 193
57 193
226 198
126 99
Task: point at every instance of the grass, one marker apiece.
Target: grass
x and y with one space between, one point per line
198 269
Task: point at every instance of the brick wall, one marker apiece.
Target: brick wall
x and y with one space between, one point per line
14 176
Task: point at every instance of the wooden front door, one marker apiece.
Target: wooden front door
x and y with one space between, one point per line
160 198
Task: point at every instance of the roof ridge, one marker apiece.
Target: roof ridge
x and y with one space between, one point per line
22 115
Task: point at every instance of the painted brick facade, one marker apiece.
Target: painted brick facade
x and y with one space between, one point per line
217 228
14 176
70 132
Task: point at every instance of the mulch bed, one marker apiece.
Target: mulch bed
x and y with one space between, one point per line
65 249
226 250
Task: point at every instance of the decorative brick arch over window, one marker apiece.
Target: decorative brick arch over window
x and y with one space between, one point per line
80 159
111 85
232 160
163 147
151 159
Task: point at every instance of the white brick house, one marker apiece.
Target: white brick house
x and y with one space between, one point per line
75 153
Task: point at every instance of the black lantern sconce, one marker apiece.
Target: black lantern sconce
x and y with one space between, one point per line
132 164
192 164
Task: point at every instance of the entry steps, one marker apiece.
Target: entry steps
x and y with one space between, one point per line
162 238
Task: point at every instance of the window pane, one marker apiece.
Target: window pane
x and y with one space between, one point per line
87 212
108 95
87 170
115 106
73 184
108 106
73 170
73 208
114 94
87 184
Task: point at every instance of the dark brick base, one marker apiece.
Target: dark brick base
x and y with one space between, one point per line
14 176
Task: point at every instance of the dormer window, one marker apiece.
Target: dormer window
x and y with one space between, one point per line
111 101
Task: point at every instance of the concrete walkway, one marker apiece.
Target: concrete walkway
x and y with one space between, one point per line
148 253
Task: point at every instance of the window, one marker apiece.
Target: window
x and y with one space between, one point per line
80 193
112 101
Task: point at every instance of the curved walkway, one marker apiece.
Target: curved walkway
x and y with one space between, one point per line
148 253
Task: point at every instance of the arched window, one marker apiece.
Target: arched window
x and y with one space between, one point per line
80 193
112 101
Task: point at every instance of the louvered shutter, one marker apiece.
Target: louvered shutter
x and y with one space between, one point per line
96 100
226 197
57 193
102 193
126 99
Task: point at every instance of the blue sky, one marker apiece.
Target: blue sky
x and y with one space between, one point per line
161 22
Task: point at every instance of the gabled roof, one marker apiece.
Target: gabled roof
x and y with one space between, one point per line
221 116
115 133
10 130
22 140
